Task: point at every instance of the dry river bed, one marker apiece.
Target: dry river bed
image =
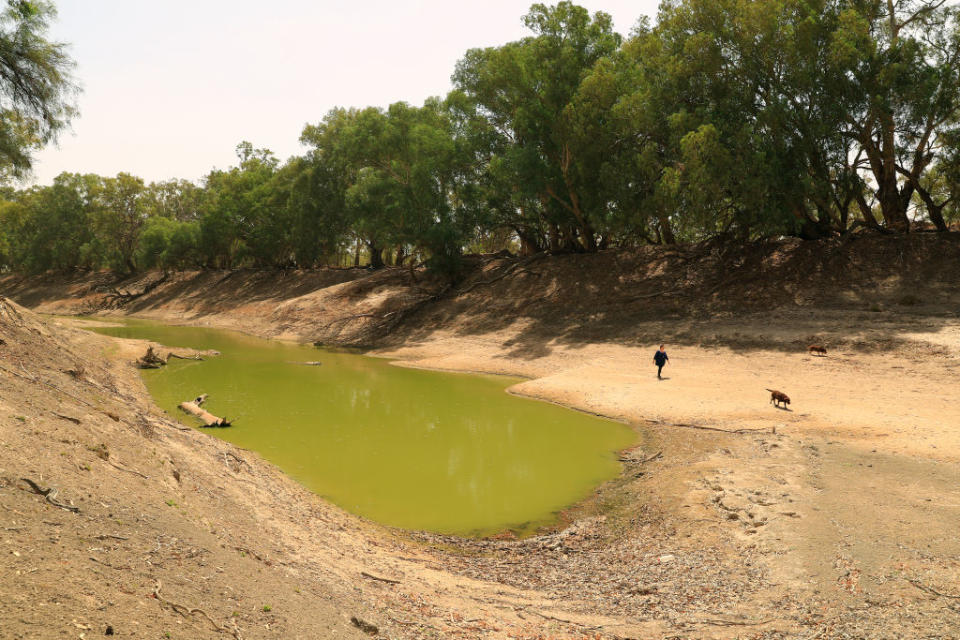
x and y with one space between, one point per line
833 518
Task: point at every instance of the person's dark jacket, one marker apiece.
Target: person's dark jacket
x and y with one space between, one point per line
660 357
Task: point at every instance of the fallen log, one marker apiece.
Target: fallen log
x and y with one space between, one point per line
209 420
151 360
195 356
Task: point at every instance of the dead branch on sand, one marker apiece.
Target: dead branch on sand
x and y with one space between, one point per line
186 612
923 587
704 428
373 577
655 456
50 494
136 473
733 623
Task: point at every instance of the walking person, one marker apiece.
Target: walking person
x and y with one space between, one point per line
660 358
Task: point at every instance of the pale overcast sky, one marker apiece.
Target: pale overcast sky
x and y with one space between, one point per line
170 88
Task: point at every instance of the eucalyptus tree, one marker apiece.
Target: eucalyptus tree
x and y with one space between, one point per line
36 90
732 129
337 193
623 144
402 178
174 199
318 194
806 108
521 90
236 209
900 76
120 218
53 227
939 191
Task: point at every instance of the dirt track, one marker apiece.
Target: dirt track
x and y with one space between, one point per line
842 523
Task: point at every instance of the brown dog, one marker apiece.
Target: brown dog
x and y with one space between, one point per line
776 397
815 348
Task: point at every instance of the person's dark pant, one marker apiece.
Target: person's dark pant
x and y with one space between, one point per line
659 369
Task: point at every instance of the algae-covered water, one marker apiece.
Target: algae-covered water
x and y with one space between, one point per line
443 452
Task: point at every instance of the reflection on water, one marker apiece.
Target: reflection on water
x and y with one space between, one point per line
450 453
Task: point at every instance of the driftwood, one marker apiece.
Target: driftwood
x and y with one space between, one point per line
195 356
151 360
209 420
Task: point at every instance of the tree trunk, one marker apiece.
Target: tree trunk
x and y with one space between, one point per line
571 243
934 210
936 216
376 256
666 231
867 212
529 245
587 236
892 206
894 213
554 238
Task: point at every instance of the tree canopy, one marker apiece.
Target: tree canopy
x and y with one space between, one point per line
36 89
738 118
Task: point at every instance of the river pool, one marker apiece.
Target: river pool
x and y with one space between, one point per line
443 452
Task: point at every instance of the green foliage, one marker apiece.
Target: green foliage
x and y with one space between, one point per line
35 85
517 103
737 118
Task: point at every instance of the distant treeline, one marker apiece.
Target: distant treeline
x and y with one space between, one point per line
738 118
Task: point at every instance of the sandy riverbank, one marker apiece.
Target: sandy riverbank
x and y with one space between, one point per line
839 524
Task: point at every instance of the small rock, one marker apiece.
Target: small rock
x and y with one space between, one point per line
668 557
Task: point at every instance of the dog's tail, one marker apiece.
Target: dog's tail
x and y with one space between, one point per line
771 390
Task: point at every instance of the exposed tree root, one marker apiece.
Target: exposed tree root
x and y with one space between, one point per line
517 267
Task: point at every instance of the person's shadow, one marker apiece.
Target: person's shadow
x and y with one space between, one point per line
663 378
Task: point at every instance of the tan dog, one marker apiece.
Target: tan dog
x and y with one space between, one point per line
776 397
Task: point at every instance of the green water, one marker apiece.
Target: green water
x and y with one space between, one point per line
450 453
